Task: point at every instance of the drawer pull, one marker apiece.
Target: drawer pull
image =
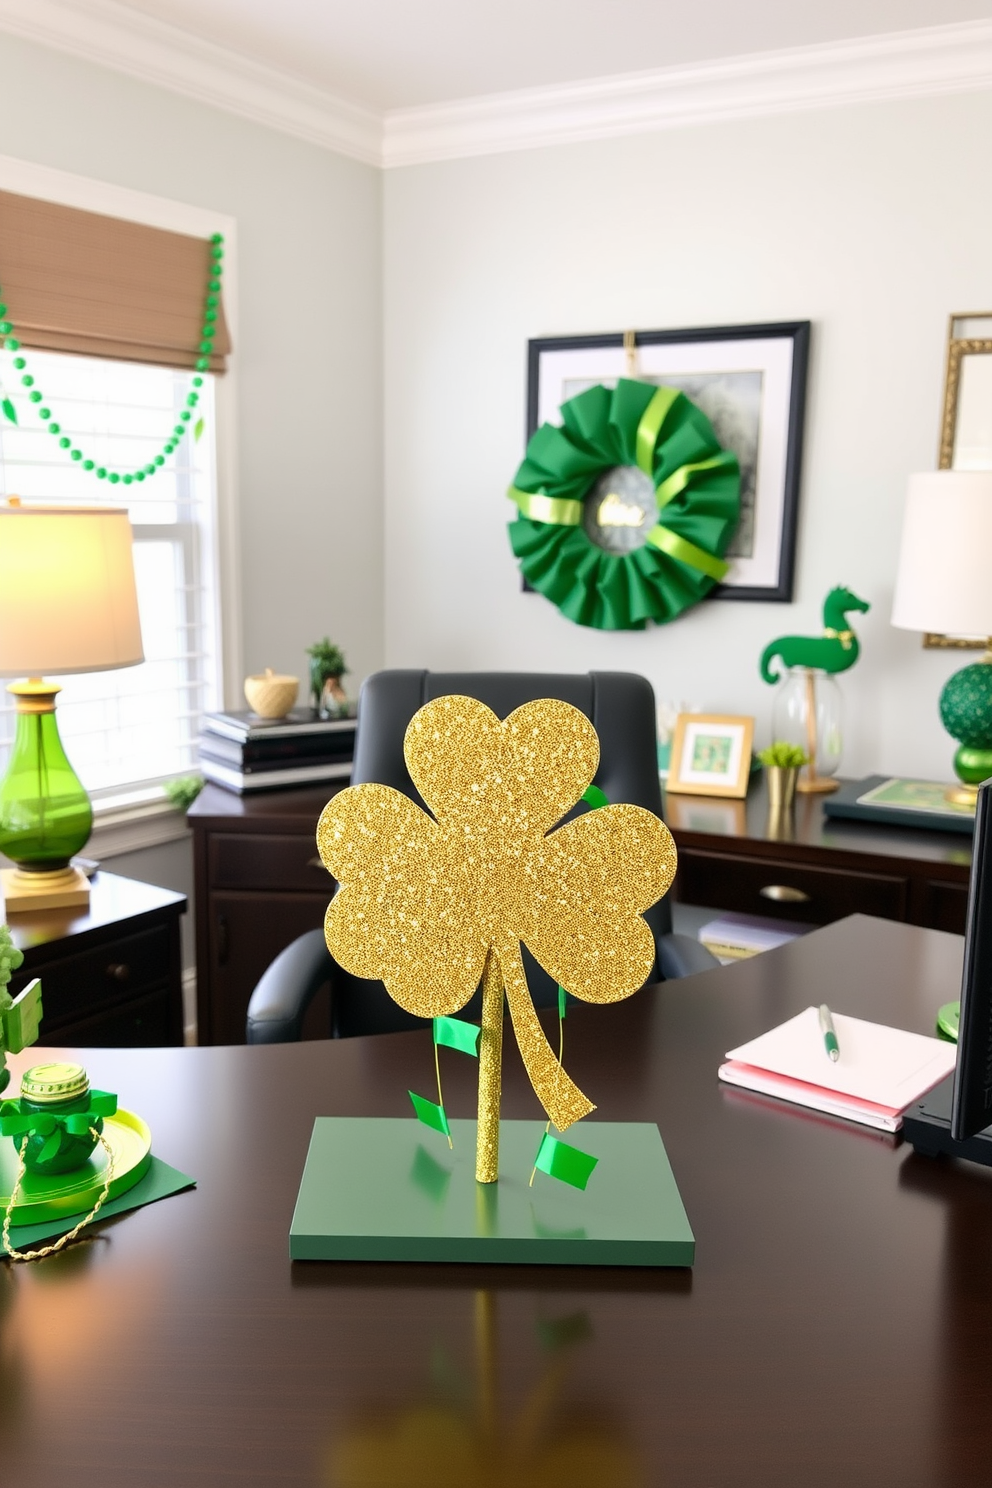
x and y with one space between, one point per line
784 894
119 971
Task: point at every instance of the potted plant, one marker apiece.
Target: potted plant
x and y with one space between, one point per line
327 667
782 762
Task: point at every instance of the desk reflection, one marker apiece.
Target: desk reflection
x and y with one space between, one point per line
457 1432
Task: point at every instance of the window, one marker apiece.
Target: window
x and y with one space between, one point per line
126 731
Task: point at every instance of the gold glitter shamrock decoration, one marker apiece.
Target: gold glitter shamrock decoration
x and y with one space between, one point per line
424 901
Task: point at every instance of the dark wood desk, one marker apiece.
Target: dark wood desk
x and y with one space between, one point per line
835 1332
111 970
735 855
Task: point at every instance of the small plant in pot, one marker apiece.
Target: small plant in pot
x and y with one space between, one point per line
782 762
327 667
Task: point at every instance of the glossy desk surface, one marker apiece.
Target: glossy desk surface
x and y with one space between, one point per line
836 1329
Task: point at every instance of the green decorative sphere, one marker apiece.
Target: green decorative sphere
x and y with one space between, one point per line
973 765
966 706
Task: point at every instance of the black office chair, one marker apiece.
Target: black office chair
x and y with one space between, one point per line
622 710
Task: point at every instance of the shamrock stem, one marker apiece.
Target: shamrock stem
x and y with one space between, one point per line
490 1060
558 1094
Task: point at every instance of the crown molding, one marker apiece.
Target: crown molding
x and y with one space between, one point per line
114 36
907 64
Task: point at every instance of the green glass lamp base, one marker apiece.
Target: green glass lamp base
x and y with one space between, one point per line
382 1189
45 813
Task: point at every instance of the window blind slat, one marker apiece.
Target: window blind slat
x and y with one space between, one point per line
98 286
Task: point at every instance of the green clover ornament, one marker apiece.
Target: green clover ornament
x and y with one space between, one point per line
627 508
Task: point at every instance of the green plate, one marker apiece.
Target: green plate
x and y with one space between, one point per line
57 1195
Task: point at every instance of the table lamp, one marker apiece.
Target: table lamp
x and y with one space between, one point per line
944 583
68 603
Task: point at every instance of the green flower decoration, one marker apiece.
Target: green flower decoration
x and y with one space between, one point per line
640 469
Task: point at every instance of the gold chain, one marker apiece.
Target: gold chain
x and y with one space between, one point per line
37 1255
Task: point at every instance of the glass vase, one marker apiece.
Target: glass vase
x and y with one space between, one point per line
808 712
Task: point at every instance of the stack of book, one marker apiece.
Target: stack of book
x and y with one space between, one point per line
733 937
243 752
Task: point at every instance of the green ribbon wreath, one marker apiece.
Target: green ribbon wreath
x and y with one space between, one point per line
14 1122
697 486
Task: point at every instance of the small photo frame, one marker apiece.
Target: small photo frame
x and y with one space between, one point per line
711 755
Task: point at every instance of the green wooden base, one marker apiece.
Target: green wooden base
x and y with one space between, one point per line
381 1189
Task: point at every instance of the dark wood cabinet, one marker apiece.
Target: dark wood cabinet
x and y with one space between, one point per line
736 855
111 971
259 884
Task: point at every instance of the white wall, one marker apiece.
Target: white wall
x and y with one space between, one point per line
872 221
309 337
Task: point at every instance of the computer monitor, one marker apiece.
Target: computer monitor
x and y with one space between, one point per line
955 1118
971 1110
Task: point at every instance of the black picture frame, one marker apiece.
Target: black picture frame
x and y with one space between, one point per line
797 332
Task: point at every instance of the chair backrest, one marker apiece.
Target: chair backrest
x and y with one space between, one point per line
621 707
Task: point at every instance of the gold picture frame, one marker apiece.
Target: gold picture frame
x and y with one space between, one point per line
711 755
966 422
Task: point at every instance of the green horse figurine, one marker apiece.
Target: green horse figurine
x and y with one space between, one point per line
834 651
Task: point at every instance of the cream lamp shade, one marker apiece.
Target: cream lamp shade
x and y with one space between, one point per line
68 601
944 578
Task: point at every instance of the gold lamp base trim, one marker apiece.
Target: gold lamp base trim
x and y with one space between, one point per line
962 795
820 785
64 888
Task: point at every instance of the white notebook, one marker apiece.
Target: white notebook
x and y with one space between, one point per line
880 1071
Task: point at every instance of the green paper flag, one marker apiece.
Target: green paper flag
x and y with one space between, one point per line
594 797
20 1022
430 1114
457 1034
566 1163
562 996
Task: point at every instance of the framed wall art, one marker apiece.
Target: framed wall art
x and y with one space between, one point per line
966 421
711 755
749 381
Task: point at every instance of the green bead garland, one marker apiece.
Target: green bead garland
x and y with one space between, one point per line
202 364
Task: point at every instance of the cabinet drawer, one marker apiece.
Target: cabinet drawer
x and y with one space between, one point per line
945 906
792 891
74 986
150 1022
253 860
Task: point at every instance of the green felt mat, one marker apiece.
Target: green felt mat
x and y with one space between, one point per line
382 1189
158 1183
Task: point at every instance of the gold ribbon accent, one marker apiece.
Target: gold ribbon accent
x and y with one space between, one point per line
679 479
667 541
560 510
844 636
650 427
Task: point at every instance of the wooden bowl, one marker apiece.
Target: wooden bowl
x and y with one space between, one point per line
270 694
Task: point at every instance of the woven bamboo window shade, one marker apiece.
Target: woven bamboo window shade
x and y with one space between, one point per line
99 286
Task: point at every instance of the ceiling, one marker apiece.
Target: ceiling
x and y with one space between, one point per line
392 54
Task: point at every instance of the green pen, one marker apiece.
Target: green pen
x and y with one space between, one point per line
829 1033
